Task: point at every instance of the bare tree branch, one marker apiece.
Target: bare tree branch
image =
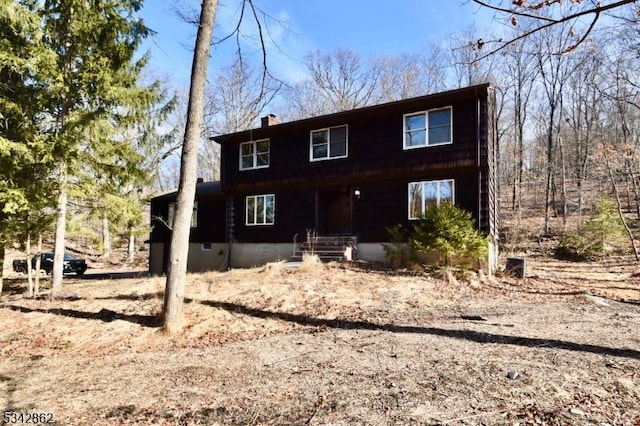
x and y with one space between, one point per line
597 10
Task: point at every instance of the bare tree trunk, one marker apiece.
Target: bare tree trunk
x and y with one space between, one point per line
581 181
619 204
131 250
1 267
36 283
636 190
106 237
563 183
61 213
29 269
549 178
177 267
59 244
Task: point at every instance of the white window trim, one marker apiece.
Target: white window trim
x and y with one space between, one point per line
453 193
254 156
255 211
426 129
328 130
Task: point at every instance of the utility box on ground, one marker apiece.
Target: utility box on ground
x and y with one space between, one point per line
516 267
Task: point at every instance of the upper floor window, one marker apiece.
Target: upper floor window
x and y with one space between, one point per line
423 195
261 209
254 154
329 143
428 128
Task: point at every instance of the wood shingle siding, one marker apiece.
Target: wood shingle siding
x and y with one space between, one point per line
360 194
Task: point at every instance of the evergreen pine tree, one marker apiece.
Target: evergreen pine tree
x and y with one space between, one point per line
96 91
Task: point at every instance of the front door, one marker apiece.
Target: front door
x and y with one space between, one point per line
339 212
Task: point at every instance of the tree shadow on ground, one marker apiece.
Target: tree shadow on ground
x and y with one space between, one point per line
528 290
159 295
12 286
99 276
470 335
105 315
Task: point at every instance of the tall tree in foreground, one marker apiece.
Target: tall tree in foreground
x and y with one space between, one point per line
177 268
24 155
97 85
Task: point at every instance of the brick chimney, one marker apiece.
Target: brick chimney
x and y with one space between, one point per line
269 120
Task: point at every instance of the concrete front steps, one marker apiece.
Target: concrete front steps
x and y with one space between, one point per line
335 248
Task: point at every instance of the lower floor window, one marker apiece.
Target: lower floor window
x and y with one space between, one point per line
172 215
423 195
261 209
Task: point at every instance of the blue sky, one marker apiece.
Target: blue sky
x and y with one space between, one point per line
299 26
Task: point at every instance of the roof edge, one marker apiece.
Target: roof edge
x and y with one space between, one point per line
474 89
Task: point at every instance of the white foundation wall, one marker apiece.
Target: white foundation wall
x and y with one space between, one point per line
247 255
201 257
204 259
371 252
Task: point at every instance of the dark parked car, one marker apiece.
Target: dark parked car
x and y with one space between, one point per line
71 264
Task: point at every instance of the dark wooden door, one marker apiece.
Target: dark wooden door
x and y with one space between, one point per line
339 213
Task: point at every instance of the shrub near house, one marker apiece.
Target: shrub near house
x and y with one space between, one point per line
601 235
444 236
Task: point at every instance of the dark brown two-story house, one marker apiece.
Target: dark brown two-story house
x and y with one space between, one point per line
353 173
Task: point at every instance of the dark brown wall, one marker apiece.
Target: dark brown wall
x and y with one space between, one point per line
381 205
211 221
375 149
376 164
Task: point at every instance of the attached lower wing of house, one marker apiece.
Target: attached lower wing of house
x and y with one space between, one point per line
335 183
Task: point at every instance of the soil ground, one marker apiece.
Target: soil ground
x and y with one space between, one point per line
330 344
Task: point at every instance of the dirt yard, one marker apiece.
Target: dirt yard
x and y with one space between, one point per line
331 344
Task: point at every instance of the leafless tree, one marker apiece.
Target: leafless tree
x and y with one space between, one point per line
404 76
343 79
177 267
179 248
544 14
583 112
554 71
303 100
464 61
519 77
238 96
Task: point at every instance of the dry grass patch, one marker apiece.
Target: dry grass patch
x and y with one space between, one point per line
323 344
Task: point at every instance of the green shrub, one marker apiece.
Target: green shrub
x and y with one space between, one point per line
575 247
444 236
601 235
397 252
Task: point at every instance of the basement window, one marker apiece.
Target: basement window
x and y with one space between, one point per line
423 195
